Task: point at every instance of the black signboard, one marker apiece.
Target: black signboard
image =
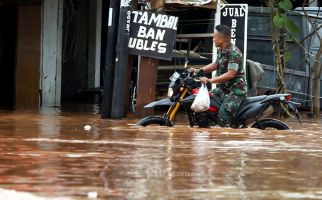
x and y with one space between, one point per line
152 34
235 17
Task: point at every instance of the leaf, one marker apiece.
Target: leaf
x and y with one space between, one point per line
285 5
280 20
291 26
287 56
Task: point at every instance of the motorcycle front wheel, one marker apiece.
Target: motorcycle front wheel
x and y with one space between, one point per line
152 120
270 124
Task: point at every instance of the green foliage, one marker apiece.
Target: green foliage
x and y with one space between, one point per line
285 5
292 27
287 56
280 20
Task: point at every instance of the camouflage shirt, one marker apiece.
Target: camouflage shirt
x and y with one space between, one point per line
232 59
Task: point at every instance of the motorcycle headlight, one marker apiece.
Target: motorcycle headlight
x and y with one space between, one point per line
170 92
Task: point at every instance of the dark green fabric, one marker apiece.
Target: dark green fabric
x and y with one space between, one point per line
232 92
231 59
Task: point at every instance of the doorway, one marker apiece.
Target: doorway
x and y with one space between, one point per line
8 35
20 34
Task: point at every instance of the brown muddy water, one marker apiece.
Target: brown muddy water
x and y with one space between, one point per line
47 154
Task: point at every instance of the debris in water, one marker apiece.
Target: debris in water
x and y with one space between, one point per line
87 127
92 195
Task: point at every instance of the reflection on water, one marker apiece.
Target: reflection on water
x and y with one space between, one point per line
47 154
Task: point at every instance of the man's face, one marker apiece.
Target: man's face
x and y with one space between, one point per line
218 39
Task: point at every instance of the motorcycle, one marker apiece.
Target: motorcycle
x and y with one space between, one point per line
253 111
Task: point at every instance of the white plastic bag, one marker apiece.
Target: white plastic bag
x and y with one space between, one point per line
202 100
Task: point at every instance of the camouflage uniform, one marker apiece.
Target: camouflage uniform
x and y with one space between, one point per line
232 92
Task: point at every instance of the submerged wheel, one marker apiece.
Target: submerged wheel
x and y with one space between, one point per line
270 124
152 120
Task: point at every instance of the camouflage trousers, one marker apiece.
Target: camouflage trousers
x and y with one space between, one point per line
229 106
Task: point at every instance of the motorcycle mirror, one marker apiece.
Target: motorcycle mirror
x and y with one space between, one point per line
186 63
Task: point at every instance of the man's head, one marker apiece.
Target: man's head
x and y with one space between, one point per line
222 36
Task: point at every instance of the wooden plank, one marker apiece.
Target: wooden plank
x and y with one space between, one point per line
147 75
94 43
146 86
195 35
28 56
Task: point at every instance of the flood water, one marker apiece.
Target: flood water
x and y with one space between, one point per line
47 154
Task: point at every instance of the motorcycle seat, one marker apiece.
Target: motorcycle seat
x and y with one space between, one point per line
254 99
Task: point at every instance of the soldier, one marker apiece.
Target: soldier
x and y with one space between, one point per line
230 79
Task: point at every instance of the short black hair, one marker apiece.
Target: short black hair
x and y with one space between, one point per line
224 31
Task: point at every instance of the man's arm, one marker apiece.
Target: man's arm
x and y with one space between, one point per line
230 74
209 68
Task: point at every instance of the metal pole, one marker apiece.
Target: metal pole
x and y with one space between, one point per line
121 85
110 58
214 52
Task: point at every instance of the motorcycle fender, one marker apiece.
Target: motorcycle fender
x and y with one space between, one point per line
292 106
274 97
162 102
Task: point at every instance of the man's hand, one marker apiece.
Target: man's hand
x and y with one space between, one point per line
194 70
204 80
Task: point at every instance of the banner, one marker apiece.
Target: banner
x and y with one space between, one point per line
235 17
152 34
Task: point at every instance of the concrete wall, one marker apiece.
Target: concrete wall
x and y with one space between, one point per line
50 83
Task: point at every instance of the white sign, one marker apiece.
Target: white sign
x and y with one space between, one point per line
235 17
152 34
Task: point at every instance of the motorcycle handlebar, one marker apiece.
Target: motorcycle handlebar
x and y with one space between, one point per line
193 74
